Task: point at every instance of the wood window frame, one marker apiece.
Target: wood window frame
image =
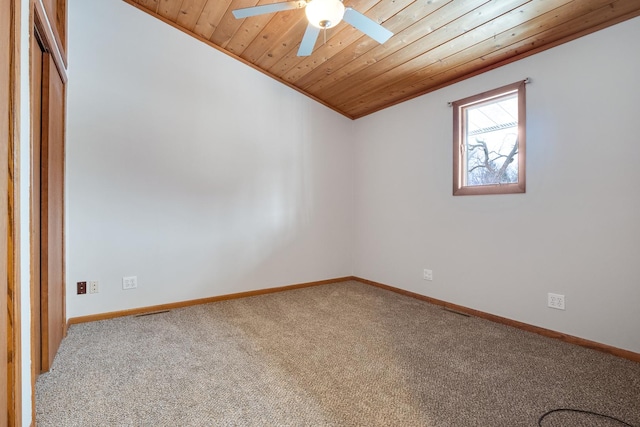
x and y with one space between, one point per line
459 143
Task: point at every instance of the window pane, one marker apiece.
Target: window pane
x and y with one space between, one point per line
491 136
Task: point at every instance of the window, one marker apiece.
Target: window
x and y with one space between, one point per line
489 142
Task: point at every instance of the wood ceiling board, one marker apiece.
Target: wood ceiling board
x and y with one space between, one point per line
250 28
398 57
169 9
292 71
335 38
190 13
247 32
285 63
291 61
527 43
435 44
467 61
353 54
151 5
469 46
312 69
464 62
290 22
283 45
228 24
437 32
210 17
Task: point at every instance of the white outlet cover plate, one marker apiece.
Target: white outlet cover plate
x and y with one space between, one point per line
130 282
555 301
428 274
93 287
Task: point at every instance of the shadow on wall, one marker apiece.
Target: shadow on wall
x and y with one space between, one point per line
192 213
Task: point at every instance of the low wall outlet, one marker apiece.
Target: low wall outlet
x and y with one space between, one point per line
555 301
427 274
93 287
82 288
130 282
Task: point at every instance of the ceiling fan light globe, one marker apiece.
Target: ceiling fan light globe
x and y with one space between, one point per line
324 13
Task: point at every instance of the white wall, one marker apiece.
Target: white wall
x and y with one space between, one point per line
575 232
192 171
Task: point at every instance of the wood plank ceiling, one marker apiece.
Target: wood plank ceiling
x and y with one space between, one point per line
435 43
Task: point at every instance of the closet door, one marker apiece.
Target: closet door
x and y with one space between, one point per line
52 288
37 55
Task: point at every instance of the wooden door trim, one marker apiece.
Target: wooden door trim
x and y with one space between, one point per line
13 259
11 99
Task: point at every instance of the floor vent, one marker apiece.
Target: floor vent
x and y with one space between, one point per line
152 313
456 312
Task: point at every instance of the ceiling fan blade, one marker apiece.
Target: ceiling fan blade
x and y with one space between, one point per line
268 8
309 40
367 25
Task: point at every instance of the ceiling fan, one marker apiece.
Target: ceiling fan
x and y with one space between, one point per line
321 14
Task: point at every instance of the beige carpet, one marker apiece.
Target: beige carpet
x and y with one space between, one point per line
345 354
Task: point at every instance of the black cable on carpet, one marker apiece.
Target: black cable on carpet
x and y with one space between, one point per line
583 412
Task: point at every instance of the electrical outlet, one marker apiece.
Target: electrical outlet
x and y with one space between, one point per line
427 274
82 288
93 287
130 282
555 301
